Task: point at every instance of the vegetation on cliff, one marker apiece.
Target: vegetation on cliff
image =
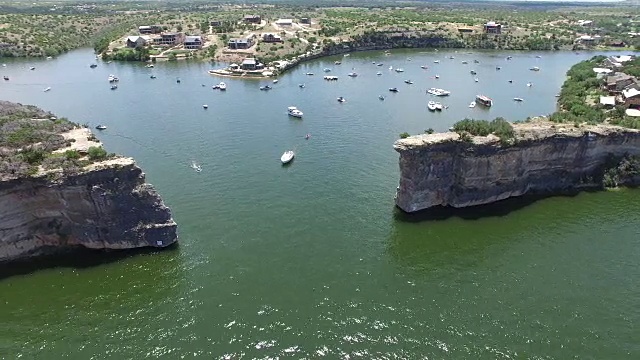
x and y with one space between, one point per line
620 171
498 127
29 138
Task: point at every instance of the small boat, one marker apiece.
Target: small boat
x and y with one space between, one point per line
345 55
535 68
381 97
114 86
518 99
301 85
152 76
178 80
476 62
113 78
498 68
205 106
266 87
529 84
93 66
399 70
424 66
378 73
538 56
484 100
408 82
337 63
380 64
101 127
431 105
439 106
6 78
32 68
393 89
437 76
327 70
287 157
196 167
451 57
49 57
307 136
509 57
222 86
390 67
352 74
341 99
149 65
438 92
310 73
476 79
215 87
472 72
472 104
464 62
4 65
330 78
436 61
373 62
510 81
293 111
47 89
408 59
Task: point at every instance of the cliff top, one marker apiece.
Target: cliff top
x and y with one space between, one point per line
536 129
33 142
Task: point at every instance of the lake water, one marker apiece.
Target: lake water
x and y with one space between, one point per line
313 260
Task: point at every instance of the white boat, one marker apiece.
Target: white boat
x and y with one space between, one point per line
330 78
476 79
529 84
535 68
424 66
408 82
301 85
484 100
196 167
431 105
205 106
436 61
341 99
465 62
439 106
518 99
32 68
399 70
345 55
390 67
293 111
353 74
381 97
287 157
222 86
408 59
472 104
327 70
337 63
114 86
438 92
275 81
149 65
4 65
101 127
378 73
437 76
393 89
47 89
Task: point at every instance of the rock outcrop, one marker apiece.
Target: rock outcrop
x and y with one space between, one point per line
58 193
546 159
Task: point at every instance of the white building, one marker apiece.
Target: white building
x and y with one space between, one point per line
284 22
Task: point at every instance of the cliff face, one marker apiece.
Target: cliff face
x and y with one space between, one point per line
108 206
441 170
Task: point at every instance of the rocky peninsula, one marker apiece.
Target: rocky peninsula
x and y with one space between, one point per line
59 190
542 158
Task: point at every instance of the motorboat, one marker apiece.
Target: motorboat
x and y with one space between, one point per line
178 80
472 104
114 86
196 167
438 92
346 55
498 68
327 70
152 76
393 89
408 82
510 81
341 99
149 65
529 84
439 106
47 89
266 87
307 136
6 78
390 67
538 56
451 57
222 86
437 76
408 59
205 106
381 97
287 157
472 72
330 78
301 85
509 57
275 81
113 78
476 62
380 64
101 127
32 68
535 68
484 100
93 66
353 74
373 62
293 111
215 87
431 105
310 74
399 70
436 61
465 62
378 73
476 79
424 67
518 99
337 63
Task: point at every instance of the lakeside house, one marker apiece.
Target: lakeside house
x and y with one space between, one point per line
305 20
193 42
149 29
608 101
240 44
588 39
631 97
169 39
252 19
137 41
619 81
284 22
271 38
251 64
492 27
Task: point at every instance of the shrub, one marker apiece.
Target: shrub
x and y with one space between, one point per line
429 131
33 156
499 127
404 135
97 153
72 155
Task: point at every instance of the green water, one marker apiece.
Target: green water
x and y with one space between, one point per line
313 260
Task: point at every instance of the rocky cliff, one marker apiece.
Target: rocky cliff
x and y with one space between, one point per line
443 170
63 191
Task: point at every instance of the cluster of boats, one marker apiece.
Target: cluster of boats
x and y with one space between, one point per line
434 106
220 86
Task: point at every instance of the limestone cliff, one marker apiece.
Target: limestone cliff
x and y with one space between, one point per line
442 170
56 195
